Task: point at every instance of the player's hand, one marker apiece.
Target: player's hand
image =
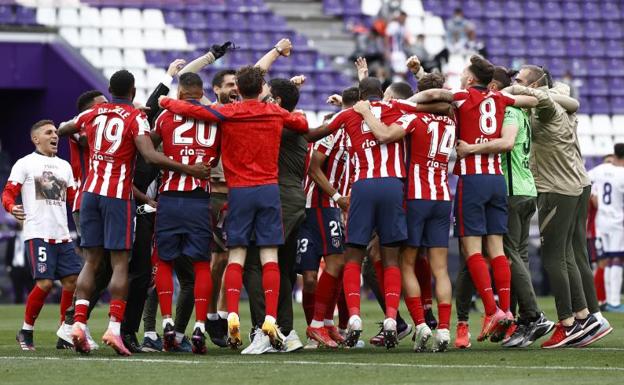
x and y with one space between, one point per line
160 100
335 100
220 50
152 203
362 68
343 203
462 149
141 107
175 67
413 64
199 170
362 106
298 80
18 212
284 47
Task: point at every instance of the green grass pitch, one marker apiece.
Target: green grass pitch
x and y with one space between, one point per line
484 363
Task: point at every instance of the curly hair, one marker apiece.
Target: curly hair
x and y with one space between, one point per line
482 69
429 81
250 80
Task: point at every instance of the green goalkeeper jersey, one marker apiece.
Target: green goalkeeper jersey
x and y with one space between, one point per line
515 163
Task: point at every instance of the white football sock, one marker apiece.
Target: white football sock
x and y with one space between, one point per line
26 326
213 316
317 324
201 326
328 322
607 281
151 335
115 327
222 314
615 288
167 321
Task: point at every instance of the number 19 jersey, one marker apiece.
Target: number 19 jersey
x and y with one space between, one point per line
110 129
187 141
480 114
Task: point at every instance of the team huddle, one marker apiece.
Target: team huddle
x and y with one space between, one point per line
240 197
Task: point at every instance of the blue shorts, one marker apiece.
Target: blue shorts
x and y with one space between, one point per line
319 235
183 228
428 223
52 260
254 210
376 204
480 205
107 222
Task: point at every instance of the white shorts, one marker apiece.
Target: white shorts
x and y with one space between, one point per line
611 242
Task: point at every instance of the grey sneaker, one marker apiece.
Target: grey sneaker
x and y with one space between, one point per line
260 343
292 343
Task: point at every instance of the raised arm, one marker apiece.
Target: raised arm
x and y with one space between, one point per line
282 48
200 112
503 144
413 65
318 176
383 132
296 121
162 89
216 51
146 148
432 95
545 106
67 128
362 68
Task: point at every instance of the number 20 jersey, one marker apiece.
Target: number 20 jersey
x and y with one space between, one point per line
110 129
480 113
187 141
429 145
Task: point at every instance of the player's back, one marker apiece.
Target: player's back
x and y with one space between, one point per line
480 114
608 186
431 141
110 129
187 141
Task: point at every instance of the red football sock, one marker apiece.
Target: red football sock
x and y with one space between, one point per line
343 311
392 290
80 312
414 305
351 284
379 273
271 286
233 283
308 305
202 289
164 286
444 315
331 305
35 302
599 283
423 275
325 292
481 279
66 301
502 280
117 309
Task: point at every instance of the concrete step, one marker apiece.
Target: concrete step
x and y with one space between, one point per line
297 9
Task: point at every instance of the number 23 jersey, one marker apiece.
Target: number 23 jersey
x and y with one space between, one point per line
480 113
110 129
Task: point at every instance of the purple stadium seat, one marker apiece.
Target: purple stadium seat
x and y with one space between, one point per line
236 5
196 20
597 86
238 58
611 10
174 18
216 21
276 23
325 81
573 29
601 105
260 40
259 21
616 86
552 10
156 58
304 60
617 105
6 15
237 21
472 9
555 47
434 6
493 9
553 28
332 7
306 101
575 47
241 39
516 47
536 27
578 67
591 10
614 48
218 37
595 48
273 74
616 66
572 10
26 16
535 46
493 27
585 104
499 60
532 9
514 28
496 46
614 29
256 5
197 37
596 67
593 29
557 66
511 10
352 7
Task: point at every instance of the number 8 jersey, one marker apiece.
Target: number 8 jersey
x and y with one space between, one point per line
187 141
480 114
110 129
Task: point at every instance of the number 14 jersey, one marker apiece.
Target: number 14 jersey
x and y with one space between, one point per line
110 129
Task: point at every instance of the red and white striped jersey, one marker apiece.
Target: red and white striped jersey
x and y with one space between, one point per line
480 114
110 129
187 141
371 158
336 168
79 160
430 143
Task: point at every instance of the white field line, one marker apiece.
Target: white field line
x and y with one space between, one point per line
311 363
